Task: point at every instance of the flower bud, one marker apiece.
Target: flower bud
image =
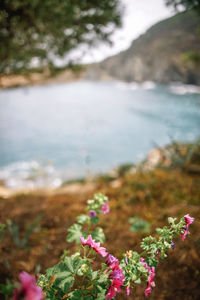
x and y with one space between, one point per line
84 268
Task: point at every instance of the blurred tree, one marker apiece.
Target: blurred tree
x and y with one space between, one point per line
187 4
51 28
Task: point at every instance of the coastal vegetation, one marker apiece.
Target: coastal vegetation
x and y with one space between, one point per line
151 194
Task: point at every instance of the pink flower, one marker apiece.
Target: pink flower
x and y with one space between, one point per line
189 220
89 241
145 264
92 244
148 291
117 274
185 233
128 291
114 289
105 208
118 280
152 274
29 290
112 261
151 282
151 277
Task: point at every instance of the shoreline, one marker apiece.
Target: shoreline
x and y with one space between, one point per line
36 79
165 157
67 76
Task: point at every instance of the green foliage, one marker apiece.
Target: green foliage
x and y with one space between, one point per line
2 230
135 269
81 179
74 271
192 57
123 169
15 232
86 223
82 219
97 202
60 278
105 178
74 277
183 156
82 276
75 232
98 235
138 267
7 289
163 242
139 225
51 28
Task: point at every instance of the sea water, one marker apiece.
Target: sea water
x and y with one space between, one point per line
56 132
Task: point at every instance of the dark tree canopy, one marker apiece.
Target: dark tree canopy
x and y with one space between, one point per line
187 4
46 28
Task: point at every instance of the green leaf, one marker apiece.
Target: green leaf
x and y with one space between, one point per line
60 267
137 281
74 233
7 288
89 297
76 295
64 281
138 224
101 295
159 231
94 275
72 264
170 220
104 266
82 219
50 295
98 235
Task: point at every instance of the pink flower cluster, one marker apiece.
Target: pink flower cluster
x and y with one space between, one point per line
105 208
189 220
28 290
116 275
92 244
152 274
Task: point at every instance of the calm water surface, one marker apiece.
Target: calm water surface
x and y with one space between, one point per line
88 127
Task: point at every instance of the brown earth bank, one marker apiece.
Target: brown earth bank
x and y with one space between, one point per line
42 78
152 195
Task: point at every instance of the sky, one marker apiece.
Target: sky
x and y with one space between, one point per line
138 16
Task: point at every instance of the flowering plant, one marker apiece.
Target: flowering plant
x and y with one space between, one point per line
92 272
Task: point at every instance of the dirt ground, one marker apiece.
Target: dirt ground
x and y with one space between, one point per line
152 195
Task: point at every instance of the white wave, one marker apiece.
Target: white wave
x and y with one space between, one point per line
122 85
29 175
148 85
182 89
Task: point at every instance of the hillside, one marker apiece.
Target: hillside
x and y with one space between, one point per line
159 55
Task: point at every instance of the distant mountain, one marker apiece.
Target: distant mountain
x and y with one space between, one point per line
160 55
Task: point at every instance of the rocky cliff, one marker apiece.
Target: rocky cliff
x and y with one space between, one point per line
161 54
